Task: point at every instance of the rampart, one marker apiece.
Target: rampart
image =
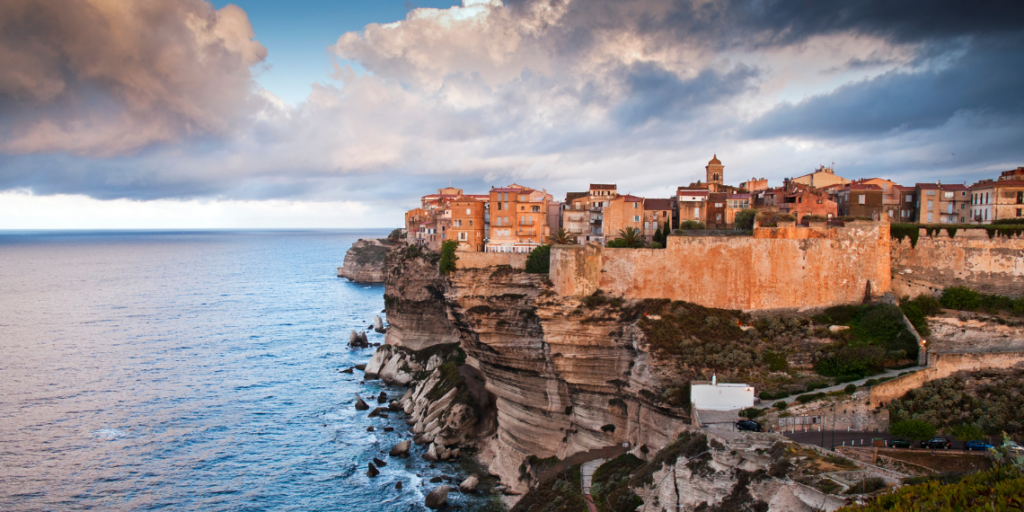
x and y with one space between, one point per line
777 268
970 258
490 259
941 366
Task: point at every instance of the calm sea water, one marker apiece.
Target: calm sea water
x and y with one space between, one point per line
190 371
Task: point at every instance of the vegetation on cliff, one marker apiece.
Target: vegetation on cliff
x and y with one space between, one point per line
448 257
966 299
877 335
539 260
991 399
998 489
899 231
564 492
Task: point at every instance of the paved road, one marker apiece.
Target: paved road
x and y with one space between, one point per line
586 478
891 373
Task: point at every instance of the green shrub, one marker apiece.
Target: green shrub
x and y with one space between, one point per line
776 362
816 385
850 389
618 243
994 404
539 260
745 219
655 245
780 405
847 360
882 322
912 429
782 394
765 395
810 398
611 484
999 489
691 224
960 297
871 382
916 317
867 486
448 257
783 217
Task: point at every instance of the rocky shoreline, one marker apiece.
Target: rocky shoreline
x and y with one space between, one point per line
364 261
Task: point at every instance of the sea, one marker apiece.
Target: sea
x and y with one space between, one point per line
194 370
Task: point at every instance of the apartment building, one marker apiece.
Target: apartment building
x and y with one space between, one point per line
802 200
691 205
518 219
624 211
936 203
467 223
860 200
998 199
583 212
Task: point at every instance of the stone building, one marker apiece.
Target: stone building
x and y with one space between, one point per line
715 171
583 212
691 205
998 199
820 178
657 212
754 185
801 200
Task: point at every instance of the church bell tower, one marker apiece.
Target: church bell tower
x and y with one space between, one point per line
716 171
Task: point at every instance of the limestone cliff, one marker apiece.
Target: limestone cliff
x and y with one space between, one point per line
364 261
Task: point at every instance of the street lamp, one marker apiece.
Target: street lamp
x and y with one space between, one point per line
833 410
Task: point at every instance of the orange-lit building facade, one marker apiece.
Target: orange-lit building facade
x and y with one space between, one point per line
623 212
467 224
518 219
657 212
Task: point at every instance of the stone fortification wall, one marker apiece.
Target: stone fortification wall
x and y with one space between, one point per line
970 259
777 268
490 259
941 366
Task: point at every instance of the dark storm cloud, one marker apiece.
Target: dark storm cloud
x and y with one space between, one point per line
654 92
987 81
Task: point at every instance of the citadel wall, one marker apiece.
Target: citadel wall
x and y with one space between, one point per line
777 268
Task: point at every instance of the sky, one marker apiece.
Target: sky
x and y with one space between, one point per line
312 113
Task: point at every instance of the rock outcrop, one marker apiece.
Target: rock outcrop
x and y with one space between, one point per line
364 261
437 498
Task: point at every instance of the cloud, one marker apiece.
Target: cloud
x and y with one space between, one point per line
159 101
107 77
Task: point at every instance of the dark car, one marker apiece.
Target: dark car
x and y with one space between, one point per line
899 442
937 443
977 445
749 426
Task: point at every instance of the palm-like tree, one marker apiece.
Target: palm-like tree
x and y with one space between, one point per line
633 237
562 237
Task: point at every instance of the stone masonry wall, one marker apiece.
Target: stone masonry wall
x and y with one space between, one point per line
941 366
777 268
469 259
971 259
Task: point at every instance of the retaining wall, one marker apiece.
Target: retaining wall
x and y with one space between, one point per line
941 366
490 259
970 258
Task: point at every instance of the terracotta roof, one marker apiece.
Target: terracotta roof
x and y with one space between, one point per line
1000 183
927 185
860 186
599 186
630 199
688 192
714 160
569 196
516 190
658 204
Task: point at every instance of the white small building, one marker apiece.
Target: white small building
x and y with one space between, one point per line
716 396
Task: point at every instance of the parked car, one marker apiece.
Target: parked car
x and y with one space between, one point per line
977 445
749 426
1013 447
899 442
937 443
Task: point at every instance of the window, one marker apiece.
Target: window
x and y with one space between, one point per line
862 199
987 198
947 195
1020 198
636 218
929 193
647 225
963 193
467 211
910 198
535 209
1020 211
930 217
951 208
930 204
696 213
471 223
636 205
718 205
463 236
656 224
499 206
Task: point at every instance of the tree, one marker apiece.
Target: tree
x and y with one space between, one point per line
912 429
666 231
745 219
448 257
539 260
632 237
658 239
966 432
562 237
691 224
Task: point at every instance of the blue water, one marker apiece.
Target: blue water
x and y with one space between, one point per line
190 371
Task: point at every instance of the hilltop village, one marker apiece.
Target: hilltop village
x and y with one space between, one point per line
518 218
815 346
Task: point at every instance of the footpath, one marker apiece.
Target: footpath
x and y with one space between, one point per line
838 387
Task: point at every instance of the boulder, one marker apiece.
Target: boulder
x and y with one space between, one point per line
394 406
379 462
361 367
349 370
398 486
370 428
374 413
382 398
431 454
401 449
378 324
360 404
436 480
358 340
391 429
437 498
372 471
469 485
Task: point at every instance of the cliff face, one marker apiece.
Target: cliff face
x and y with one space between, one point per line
364 261
548 377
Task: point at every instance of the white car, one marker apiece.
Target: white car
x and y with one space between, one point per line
1013 447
